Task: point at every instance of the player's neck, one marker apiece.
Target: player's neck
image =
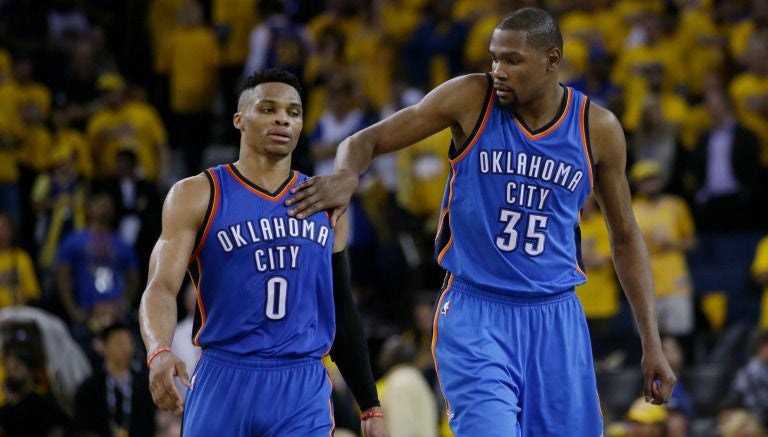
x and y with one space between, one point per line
543 109
263 171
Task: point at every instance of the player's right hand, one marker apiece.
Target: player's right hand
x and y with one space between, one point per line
374 427
321 193
164 392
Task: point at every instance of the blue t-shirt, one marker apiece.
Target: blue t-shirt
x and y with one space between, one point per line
99 263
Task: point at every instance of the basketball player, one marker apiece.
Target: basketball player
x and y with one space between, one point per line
271 289
510 340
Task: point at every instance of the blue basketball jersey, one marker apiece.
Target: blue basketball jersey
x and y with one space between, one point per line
264 279
510 212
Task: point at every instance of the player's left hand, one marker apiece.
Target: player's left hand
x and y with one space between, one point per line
374 427
658 378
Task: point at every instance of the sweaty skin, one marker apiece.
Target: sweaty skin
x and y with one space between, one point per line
525 79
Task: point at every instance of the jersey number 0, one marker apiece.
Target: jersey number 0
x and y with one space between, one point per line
277 293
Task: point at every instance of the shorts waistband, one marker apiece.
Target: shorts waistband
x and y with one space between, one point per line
514 298
255 362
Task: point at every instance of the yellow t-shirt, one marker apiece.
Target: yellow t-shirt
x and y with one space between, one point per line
239 16
134 126
696 121
698 36
629 63
740 34
399 19
161 19
36 148
744 88
193 60
467 10
73 139
760 266
668 219
478 39
36 94
674 108
11 131
600 294
372 63
17 278
422 170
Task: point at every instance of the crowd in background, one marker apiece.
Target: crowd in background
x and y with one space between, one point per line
104 104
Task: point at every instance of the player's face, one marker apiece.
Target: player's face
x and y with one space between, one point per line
519 69
270 119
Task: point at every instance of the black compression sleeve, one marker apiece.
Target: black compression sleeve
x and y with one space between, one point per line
350 350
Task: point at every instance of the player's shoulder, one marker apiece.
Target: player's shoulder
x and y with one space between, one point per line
472 84
191 184
601 117
606 136
460 98
190 195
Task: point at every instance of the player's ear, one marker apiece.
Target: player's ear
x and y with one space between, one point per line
553 58
237 121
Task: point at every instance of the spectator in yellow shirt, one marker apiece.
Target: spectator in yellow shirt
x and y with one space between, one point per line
760 275
58 199
232 23
668 230
191 58
122 124
599 296
18 281
10 140
749 92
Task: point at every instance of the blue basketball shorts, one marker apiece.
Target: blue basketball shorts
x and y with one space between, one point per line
515 366
239 397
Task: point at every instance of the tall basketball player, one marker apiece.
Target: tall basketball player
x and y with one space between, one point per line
510 341
271 289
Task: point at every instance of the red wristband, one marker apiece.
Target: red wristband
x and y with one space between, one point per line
156 352
369 413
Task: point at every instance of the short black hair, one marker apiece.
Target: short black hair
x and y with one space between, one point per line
541 29
112 328
268 75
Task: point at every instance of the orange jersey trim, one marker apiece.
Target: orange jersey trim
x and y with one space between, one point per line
550 129
456 160
200 304
259 193
582 124
208 220
448 286
479 132
576 260
447 211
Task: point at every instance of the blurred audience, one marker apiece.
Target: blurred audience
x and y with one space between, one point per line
103 105
668 230
115 400
725 166
750 386
18 280
404 392
27 411
599 296
740 423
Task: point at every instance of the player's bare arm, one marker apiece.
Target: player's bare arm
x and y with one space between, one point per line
455 104
183 214
630 256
